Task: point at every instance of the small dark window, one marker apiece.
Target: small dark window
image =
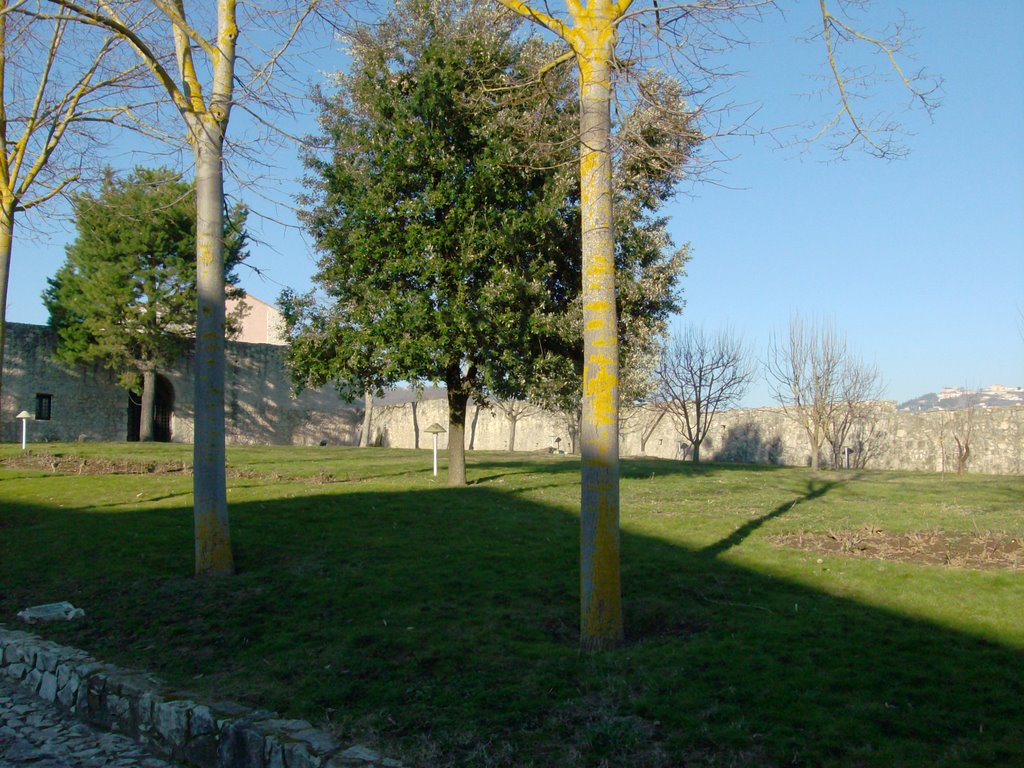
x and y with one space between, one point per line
43 404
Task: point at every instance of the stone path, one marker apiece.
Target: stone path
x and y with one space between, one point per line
36 734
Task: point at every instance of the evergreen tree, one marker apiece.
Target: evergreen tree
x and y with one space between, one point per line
445 205
126 295
439 224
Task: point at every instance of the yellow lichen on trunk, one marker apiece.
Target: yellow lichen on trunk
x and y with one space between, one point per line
600 588
593 36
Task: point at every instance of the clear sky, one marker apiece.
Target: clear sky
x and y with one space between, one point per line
920 260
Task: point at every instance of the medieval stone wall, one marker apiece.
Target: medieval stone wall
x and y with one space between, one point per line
889 439
85 400
87 403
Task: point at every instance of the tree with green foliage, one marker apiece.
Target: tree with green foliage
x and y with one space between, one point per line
447 212
126 295
440 226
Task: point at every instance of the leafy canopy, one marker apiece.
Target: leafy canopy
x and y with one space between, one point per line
440 224
443 197
125 296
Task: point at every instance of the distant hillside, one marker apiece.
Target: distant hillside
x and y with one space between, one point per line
953 398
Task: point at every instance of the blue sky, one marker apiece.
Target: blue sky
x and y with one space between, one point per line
920 261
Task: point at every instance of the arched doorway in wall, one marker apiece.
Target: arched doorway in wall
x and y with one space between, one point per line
163 408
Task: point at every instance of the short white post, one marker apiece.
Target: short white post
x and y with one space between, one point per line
435 455
23 417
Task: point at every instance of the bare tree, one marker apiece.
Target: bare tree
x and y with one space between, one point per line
515 411
818 382
60 90
860 387
643 418
960 425
699 375
196 62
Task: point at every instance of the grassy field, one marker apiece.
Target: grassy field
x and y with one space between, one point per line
774 616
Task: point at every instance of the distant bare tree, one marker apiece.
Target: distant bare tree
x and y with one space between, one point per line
642 418
960 426
515 411
860 387
868 435
700 374
819 383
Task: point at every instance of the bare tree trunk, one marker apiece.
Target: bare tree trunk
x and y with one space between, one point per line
212 534
512 421
815 447
6 247
600 583
146 417
364 438
696 453
457 437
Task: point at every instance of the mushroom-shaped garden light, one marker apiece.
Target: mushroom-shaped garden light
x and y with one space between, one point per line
23 417
435 429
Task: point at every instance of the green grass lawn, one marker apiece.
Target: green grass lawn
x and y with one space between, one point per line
440 624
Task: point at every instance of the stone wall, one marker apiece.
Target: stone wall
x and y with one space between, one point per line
260 409
87 402
889 439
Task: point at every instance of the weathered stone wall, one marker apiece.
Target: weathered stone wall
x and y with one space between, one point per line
889 439
260 409
88 403
86 399
259 406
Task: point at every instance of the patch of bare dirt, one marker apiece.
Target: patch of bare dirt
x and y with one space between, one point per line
960 550
80 465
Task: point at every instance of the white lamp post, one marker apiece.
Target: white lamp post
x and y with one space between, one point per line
435 429
24 416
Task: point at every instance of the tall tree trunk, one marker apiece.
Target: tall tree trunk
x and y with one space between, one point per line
512 421
696 453
212 534
600 589
457 400
472 427
6 248
364 438
147 419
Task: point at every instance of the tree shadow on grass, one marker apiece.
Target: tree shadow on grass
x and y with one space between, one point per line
815 490
631 468
445 622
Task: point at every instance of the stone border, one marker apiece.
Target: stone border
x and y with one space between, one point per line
223 735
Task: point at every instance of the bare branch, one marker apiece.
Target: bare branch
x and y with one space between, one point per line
699 375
